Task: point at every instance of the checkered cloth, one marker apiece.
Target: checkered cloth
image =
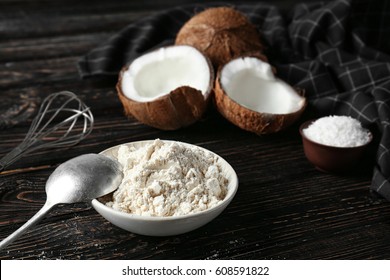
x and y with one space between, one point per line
339 52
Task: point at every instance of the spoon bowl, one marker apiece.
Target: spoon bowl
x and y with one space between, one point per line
84 178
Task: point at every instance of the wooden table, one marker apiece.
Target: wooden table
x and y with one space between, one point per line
284 208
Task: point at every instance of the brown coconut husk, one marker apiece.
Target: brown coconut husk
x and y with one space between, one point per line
179 108
221 33
249 120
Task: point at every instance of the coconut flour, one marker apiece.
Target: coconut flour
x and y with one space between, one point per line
338 131
168 179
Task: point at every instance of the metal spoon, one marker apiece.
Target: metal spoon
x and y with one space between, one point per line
80 179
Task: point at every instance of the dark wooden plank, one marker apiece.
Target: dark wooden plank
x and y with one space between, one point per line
40 25
284 209
267 225
53 47
38 72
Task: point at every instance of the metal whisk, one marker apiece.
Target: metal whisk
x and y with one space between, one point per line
62 120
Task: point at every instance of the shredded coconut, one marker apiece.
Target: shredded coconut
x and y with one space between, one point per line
338 131
168 179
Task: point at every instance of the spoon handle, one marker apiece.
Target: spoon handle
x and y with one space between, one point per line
30 223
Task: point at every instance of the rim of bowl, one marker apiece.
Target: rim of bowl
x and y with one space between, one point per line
307 123
228 198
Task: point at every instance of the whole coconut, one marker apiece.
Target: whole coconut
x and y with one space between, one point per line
221 33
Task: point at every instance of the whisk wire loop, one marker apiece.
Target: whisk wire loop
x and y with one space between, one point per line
54 126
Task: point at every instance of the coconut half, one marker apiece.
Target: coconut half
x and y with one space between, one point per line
249 95
168 88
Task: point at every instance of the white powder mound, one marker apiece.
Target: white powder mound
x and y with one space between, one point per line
338 131
168 179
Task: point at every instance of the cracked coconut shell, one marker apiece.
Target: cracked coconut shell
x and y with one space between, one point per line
168 88
249 95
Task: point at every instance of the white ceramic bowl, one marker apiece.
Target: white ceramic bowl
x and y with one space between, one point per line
165 226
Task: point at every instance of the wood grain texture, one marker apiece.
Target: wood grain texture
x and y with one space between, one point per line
284 208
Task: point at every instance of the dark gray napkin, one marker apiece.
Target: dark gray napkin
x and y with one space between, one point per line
339 52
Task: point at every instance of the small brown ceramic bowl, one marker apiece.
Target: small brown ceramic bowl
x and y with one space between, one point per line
328 158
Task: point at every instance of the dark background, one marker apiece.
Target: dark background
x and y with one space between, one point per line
284 208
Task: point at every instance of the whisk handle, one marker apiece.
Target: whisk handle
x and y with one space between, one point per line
30 223
11 157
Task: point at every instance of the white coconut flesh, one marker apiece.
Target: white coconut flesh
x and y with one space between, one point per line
158 73
251 83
